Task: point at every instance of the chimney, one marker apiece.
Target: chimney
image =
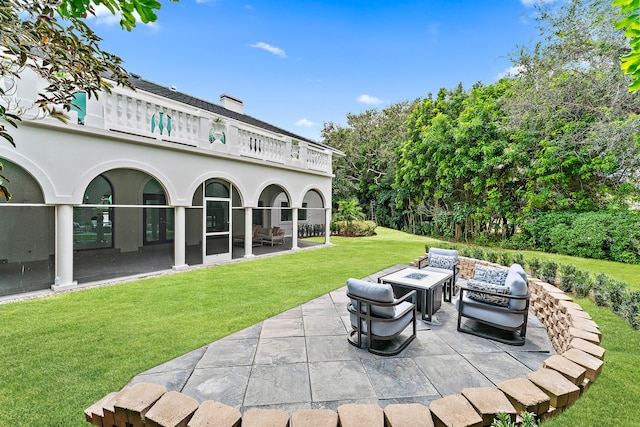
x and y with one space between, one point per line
231 103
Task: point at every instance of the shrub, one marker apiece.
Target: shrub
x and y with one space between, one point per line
519 241
630 308
583 283
504 258
600 290
465 251
357 228
518 258
615 294
613 235
504 420
534 266
491 255
567 277
478 252
549 271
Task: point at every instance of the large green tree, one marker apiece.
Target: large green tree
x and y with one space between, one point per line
367 171
572 112
460 175
52 38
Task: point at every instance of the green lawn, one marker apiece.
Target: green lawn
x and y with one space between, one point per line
58 355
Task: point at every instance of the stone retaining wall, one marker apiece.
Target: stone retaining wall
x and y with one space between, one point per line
545 392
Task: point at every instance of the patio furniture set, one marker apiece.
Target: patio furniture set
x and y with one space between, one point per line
262 235
497 298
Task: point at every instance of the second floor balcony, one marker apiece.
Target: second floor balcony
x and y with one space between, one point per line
159 114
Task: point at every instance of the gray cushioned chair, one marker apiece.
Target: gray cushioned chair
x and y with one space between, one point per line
374 312
501 303
432 263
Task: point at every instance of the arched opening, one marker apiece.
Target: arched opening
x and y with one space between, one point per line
159 221
212 220
311 217
274 209
27 237
124 227
93 223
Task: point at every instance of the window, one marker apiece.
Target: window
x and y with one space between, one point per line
302 216
285 212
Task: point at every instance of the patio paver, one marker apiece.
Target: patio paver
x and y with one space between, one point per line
301 360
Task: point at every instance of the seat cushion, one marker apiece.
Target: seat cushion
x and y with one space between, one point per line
387 328
501 318
518 287
442 261
486 298
375 292
495 275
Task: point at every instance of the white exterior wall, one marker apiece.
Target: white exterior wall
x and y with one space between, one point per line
64 162
64 158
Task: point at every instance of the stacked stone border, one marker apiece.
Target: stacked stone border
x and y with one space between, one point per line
546 392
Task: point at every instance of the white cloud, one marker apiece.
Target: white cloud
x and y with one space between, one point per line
272 49
305 123
369 100
104 17
511 72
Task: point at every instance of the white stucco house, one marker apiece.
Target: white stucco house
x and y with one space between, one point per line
150 180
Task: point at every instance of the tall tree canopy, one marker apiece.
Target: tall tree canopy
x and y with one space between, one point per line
369 141
560 134
52 38
572 112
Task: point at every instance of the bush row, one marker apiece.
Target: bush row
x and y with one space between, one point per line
610 235
354 228
603 289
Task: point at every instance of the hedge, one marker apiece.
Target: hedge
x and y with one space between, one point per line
608 235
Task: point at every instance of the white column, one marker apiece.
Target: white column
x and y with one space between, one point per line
327 226
64 248
294 228
180 238
248 233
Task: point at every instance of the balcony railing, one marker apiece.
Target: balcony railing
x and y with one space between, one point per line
150 116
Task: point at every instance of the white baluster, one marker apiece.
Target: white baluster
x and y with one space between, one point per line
119 110
138 114
109 108
129 110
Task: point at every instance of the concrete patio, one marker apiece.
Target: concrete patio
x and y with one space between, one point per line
300 359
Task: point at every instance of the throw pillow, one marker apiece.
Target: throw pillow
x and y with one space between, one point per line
491 287
494 275
441 261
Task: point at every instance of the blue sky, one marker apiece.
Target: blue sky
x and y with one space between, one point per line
297 64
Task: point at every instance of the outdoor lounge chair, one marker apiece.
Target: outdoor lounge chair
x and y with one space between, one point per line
374 312
498 298
443 261
272 236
